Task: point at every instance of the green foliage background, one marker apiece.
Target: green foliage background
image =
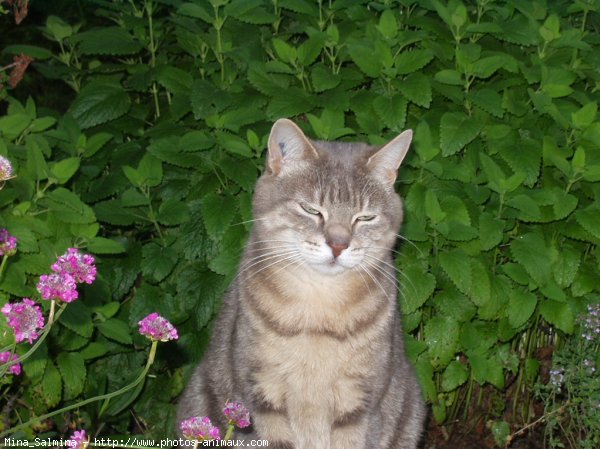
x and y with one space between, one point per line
146 136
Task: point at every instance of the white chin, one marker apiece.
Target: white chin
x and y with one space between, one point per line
329 268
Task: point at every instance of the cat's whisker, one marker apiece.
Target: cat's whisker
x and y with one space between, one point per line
384 273
257 242
250 221
295 261
374 279
359 270
410 242
271 248
293 256
264 258
400 272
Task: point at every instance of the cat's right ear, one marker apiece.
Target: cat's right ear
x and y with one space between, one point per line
288 146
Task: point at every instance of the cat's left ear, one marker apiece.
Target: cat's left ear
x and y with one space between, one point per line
288 147
385 163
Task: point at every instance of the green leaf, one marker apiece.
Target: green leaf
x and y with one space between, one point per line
410 61
173 212
456 131
417 88
366 58
67 207
488 100
392 110
65 169
558 314
100 101
454 376
51 385
108 41
585 116
433 210
416 289
521 306
388 26
491 231
589 218
72 369
150 170
284 51
323 78
101 245
78 318
457 266
217 213
531 251
115 329
158 261
441 336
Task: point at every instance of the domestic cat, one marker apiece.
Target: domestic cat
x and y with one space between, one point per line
309 335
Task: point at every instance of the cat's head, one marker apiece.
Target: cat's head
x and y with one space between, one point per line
330 206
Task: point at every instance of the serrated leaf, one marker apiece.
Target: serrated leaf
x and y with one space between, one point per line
490 231
480 292
392 110
72 369
78 318
521 306
589 219
65 169
558 314
457 266
456 131
99 102
68 208
115 329
108 41
158 261
365 58
531 252
217 213
417 88
416 289
410 61
488 100
101 245
173 212
585 116
454 376
441 336
323 78
566 266
51 385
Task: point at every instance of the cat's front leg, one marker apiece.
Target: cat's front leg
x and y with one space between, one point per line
350 436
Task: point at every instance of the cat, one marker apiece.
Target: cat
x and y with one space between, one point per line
309 335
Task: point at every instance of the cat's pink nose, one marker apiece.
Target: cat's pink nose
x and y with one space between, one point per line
337 247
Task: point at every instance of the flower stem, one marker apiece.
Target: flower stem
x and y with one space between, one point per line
2 265
90 400
229 433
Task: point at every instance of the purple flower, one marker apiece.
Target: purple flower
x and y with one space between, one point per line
25 318
6 170
157 328
590 323
58 286
80 266
198 428
8 243
13 369
237 414
78 440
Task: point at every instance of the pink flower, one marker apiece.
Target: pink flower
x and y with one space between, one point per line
13 369
80 266
58 286
237 414
6 170
157 328
78 440
25 318
198 428
8 243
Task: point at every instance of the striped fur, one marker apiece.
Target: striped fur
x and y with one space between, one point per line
310 342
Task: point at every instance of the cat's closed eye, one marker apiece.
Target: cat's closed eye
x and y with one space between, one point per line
365 218
310 210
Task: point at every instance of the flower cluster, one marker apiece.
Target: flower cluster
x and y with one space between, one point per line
8 243
25 318
70 269
237 414
198 428
13 369
78 440
590 323
157 328
6 170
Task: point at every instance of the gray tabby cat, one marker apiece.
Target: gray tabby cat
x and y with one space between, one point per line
309 337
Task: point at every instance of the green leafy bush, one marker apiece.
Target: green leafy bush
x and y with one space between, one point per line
151 168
